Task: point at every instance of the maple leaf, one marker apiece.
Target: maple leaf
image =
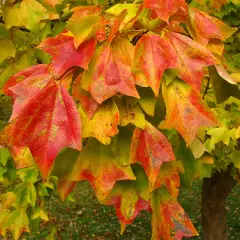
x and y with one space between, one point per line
192 57
133 11
18 222
32 12
193 168
165 8
62 168
121 144
116 25
65 55
20 76
204 27
150 148
103 124
130 197
7 49
48 123
100 166
152 56
14 65
87 102
169 221
24 85
130 112
169 177
218 4
110 71
147 100
22 157
223 84
186 111
85 23
65 187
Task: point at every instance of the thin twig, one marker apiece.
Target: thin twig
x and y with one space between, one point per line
206 89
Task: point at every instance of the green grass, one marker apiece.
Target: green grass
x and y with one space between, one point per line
86 219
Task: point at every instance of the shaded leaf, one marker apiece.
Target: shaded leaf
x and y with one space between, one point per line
7 49
193 168
28 174
147 100
18 223
101 167
87 102
222 89
38 212
65 187
13 66
121 144
103 124
130 113
130 197
4 156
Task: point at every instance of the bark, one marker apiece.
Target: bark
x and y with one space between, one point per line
215 191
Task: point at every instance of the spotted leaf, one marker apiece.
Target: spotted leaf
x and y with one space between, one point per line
192 57
169 221
152 56
186 111
65 55
150 148
48 123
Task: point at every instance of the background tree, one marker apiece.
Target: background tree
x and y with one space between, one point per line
79 84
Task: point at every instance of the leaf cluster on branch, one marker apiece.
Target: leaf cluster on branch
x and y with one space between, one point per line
114 93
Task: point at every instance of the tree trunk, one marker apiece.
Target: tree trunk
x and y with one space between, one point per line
214 194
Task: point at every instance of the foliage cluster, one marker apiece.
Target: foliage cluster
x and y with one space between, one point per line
111 74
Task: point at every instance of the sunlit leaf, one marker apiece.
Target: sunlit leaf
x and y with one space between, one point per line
150 148
110 71
169 221
85 23
49 122
192 57
186 111
204 27
65 55
165 8
152 56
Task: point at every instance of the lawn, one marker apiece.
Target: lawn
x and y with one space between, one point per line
86 219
